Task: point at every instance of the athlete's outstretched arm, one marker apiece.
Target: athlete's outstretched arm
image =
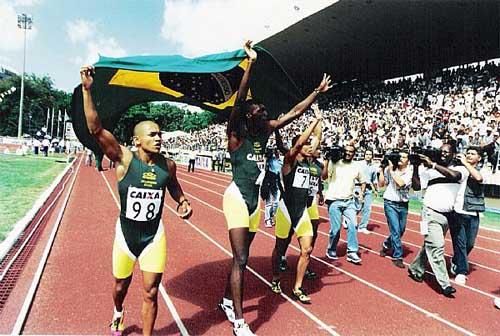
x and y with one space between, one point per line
301 107
106 140
174 188
242 91
295 150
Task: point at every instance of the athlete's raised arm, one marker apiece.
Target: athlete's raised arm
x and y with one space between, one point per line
106 140
301 107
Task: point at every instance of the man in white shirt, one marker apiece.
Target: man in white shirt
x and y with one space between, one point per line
442 187
341 177
465 224
398 181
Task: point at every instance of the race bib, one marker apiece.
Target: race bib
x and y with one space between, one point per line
314 183
301 179
143 204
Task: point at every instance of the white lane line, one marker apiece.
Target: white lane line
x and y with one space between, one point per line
376 233
367 283
166 298
28 300
261 278
372 251
381 206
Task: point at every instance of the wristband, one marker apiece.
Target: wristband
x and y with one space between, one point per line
180 203
317 91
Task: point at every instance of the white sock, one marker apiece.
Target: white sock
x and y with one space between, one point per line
227 302
117 313
239 322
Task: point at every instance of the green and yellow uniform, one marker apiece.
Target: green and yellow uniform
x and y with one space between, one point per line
241 198
293 204
315 185
139 229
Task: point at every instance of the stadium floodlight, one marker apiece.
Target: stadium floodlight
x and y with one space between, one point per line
24 22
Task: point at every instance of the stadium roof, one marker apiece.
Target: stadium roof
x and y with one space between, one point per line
377 40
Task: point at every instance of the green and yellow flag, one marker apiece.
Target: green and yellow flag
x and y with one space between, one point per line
210 82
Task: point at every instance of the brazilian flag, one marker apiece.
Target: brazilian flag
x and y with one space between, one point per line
210 82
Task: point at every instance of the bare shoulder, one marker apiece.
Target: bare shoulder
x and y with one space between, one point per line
172 167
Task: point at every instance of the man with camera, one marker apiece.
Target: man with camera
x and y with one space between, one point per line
397 175
341 175
442 184
468 204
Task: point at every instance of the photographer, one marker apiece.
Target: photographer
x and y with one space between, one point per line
468 204
442 187
341 176
398 180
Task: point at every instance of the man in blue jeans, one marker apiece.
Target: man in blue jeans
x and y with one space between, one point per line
370 173
341 177
398 181
465 223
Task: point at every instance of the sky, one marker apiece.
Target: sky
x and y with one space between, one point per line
69 33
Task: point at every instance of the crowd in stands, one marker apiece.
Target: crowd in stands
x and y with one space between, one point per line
458 105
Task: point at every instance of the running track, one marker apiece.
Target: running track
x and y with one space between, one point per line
74 292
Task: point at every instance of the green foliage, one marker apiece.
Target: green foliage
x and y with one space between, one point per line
167 116
39 95
29 176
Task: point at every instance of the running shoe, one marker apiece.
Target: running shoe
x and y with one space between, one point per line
310 275
461 279
448 291
276 286
364 231
117 325
300 295
242 330
332 255
385 250
283 265
228 310
353 257
453 268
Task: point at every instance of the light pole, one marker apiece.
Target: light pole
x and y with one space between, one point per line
24 22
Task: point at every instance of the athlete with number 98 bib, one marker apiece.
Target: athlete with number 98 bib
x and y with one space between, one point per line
143 178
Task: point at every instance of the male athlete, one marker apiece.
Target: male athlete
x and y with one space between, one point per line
142 178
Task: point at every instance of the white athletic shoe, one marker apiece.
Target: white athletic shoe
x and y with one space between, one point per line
242 330
228 310
461 279
364 231
497 302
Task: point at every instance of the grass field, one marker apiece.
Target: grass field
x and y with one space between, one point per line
22 180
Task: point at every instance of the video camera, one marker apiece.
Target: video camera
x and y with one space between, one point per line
392 157
432 153
333 153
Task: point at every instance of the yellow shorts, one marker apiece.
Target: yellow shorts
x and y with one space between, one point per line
313 210
236 211
302 228
152 258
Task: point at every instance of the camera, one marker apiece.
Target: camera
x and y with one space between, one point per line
432 153
392 157
333 153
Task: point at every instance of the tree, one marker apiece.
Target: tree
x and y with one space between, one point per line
39 95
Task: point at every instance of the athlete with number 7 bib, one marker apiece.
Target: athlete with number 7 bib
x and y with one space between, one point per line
143 178
292 215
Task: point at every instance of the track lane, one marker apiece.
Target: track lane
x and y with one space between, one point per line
448 308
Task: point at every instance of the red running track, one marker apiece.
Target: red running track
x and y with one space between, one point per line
74 294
